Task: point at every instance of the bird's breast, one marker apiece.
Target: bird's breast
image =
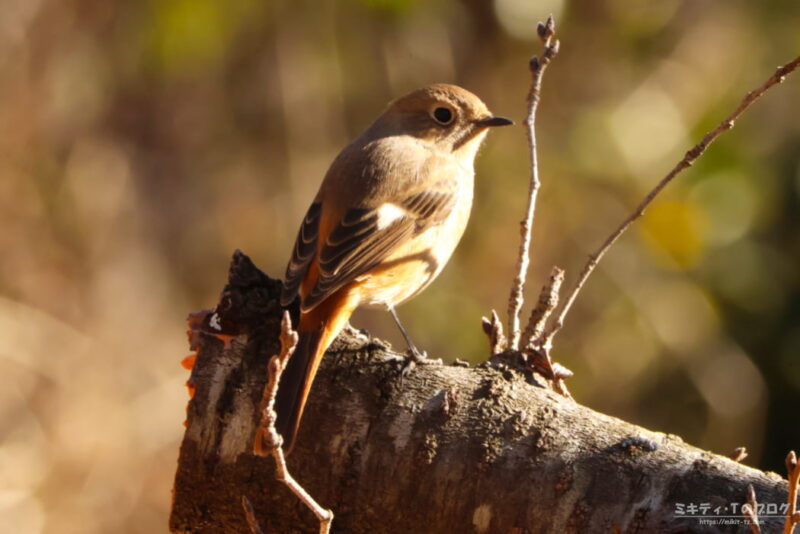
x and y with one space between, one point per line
418 261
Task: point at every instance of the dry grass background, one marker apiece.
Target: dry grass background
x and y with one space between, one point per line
142 142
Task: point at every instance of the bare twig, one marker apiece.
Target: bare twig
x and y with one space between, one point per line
548 300
559 386
269 442
494 330
546 32
534 344
267 437
750 510
738 454
792 516
691 156
250 515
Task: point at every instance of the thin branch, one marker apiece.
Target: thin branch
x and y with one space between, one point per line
250 515
269 442
494 331
537 67
687 161
792 516
267 437
548 300
738 454
534 344
750 510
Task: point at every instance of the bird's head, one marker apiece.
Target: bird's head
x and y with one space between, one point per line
448 116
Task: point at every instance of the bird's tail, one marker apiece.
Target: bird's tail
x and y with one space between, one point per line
315 336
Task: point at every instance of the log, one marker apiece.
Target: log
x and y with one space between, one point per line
443 449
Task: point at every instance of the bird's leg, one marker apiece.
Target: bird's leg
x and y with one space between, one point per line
415 355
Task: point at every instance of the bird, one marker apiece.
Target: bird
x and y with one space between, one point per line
386 219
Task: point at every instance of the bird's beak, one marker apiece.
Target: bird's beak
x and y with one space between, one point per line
494 120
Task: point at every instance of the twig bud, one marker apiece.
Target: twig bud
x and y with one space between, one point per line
541 31
545 30
551 25
494 331
559 371
791 462
738 454
534 64
486 324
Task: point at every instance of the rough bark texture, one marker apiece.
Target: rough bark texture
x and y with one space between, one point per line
445 449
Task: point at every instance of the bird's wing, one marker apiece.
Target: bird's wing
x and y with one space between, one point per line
364 237
304 248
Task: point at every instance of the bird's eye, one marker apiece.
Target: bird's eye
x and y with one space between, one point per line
442 115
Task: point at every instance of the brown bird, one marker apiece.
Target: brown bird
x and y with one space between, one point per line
386 219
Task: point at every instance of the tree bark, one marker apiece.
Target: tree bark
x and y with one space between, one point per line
444 449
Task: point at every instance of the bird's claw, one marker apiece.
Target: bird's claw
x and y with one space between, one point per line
413 357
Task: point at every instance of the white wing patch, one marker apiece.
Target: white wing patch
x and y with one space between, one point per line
389 213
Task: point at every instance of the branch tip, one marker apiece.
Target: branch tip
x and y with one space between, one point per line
560 372
486 325
545 30
548 300
269 442
493 328
791 462
537 65
738 454
541 31
688 160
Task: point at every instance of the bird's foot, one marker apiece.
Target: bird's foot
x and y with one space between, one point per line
413 358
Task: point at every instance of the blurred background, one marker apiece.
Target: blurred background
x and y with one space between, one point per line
142 142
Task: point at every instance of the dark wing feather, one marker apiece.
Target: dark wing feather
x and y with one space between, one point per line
356 225
304 248
356 245
430 206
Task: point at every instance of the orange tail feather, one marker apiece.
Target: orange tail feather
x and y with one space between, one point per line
317 330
